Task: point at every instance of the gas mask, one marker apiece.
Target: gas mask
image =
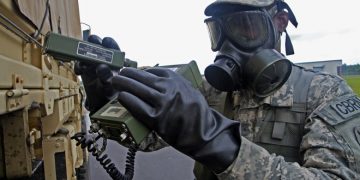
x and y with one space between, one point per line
246 57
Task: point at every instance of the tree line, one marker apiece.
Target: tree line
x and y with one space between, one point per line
350 69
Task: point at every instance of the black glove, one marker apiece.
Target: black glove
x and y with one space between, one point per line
95 77
167 103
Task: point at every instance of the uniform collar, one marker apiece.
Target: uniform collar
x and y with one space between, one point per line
280 98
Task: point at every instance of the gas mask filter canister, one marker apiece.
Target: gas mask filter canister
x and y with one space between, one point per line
264 72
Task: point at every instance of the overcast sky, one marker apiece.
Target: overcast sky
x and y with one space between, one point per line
173 32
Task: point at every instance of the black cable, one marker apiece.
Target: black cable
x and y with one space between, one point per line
110 167
38 32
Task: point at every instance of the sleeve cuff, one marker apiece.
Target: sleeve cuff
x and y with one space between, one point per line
252 162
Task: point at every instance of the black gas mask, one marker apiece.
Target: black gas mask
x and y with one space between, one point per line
246 57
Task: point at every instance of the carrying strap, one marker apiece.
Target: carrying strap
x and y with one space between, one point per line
303 79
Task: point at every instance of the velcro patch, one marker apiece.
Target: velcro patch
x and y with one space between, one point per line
346 108
340 110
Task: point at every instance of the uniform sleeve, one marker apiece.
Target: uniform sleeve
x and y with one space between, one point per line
152 142
327 149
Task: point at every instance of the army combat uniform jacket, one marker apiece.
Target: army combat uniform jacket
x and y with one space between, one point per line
308 129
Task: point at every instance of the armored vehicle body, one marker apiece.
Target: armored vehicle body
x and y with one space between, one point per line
40 97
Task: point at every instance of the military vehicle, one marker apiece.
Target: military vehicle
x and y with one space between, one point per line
40 97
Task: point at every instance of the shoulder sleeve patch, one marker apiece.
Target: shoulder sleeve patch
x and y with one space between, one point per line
340 109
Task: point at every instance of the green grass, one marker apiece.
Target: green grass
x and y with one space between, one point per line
354 83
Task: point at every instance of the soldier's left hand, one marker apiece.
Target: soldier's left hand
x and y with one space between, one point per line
95 76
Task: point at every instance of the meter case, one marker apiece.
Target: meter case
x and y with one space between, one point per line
70 49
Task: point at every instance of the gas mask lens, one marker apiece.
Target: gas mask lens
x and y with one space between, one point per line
215 34
247 29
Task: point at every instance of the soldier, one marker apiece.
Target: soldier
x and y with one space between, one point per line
287 123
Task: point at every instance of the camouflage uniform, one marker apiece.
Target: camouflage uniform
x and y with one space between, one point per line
326 141
328 144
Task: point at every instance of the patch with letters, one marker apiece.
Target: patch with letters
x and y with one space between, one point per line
348 107
340 110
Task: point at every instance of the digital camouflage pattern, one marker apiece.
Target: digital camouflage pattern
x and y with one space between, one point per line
327 153
329 150
152 142
257 3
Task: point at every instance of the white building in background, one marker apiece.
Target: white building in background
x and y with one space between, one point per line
331 66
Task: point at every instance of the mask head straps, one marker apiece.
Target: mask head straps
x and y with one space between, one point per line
281 5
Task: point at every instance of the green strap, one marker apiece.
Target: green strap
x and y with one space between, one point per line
278 130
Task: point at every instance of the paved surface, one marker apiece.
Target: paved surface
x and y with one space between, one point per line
164 164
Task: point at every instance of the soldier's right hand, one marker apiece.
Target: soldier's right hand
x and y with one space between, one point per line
95 77
167 103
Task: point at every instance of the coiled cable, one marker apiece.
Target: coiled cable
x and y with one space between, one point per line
91 145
